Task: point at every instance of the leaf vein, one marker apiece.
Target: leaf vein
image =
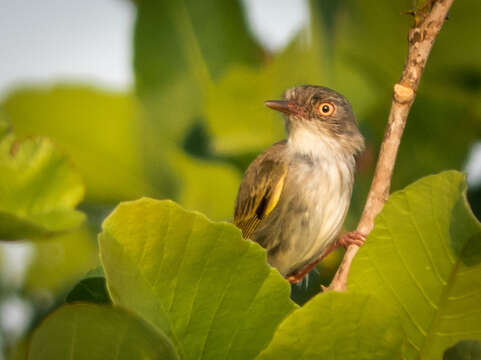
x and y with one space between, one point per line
391 290
209 332
411 275
196 292
423 242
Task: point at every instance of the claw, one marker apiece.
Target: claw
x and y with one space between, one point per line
352 238
296 277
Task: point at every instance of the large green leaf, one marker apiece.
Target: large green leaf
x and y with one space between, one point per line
338 326
99 130
423 259
199 281
87 331
39 188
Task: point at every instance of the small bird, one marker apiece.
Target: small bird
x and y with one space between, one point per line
294 197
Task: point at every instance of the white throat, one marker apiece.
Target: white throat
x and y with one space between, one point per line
314 145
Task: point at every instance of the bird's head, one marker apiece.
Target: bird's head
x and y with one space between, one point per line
321 112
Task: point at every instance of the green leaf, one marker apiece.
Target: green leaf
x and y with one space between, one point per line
60 262
372 37
464 350
87 331
338 326
178 50
99 130
39 189
423 260
199 281
174 39
206 186
91 289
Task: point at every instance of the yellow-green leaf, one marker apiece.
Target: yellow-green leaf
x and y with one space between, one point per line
39 188
99 130
338 326
209 289
94 332
206 186
60 261
423 260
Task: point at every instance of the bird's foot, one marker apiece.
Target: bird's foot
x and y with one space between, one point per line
297 277
351 238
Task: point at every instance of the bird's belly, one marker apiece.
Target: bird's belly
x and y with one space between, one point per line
309 215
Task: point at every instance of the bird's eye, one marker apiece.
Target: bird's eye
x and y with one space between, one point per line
326 109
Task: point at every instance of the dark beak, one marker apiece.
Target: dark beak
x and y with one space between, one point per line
281 105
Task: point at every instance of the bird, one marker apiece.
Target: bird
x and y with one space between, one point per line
294 197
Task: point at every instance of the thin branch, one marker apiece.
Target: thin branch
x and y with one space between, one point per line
428 23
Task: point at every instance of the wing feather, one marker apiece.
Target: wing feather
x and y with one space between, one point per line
260 190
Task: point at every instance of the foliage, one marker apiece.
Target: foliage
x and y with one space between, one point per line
116 335
175 284
410 295
59 261
423 259
337 325
78 119
167 275
39 189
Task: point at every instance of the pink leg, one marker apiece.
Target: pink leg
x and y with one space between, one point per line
296 277
351 238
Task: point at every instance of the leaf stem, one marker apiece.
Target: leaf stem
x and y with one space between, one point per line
428 23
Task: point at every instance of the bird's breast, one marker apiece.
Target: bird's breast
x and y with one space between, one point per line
311 210
323 190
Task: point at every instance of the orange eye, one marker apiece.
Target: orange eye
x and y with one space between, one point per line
326 109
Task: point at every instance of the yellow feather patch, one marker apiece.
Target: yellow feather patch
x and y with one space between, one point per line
275 195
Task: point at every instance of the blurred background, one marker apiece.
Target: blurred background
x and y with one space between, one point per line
165 99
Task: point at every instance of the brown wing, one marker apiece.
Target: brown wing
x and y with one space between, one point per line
260 189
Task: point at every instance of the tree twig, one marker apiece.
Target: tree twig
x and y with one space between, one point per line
428 23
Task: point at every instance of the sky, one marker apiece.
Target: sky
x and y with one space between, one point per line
52 40
90 40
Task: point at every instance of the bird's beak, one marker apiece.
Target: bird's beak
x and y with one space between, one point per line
282 106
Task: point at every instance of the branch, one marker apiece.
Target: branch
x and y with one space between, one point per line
428 23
